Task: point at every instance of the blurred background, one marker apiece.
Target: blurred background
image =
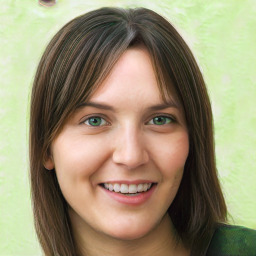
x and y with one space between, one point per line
222 36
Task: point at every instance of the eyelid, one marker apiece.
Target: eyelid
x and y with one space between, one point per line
173 118
85 118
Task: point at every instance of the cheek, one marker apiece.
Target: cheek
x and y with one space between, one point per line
79 157
171 155
170 159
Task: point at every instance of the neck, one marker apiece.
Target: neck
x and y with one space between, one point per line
161 241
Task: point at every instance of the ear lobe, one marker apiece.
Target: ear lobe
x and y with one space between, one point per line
48 163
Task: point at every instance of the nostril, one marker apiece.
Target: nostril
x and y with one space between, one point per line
47 3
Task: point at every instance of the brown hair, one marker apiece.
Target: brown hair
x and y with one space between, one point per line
76 61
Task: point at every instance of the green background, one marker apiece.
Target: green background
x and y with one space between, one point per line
222 35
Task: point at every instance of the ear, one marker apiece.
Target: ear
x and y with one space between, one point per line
49 163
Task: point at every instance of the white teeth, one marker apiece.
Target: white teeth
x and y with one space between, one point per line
116 187
145 187
132 188
110 187
125 188
140 187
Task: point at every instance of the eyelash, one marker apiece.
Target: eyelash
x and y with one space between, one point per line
172 120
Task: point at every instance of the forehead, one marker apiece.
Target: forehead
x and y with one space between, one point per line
132 80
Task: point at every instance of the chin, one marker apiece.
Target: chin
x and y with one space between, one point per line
129 236
130 233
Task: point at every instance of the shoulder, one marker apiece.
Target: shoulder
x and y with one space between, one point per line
230 240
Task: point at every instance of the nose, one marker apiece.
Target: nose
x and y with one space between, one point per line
130 149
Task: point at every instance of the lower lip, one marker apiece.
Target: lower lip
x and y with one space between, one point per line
131 200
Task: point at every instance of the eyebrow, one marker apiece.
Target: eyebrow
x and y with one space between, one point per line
170 104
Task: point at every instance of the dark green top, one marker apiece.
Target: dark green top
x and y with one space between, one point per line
232 241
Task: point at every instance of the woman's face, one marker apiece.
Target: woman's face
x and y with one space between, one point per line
124 138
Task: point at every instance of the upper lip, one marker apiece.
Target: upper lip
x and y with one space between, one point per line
128 181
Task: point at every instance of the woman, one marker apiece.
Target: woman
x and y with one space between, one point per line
121 143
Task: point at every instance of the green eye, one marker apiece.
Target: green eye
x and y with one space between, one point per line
161 120
95 121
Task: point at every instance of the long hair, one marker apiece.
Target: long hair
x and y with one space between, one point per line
74 64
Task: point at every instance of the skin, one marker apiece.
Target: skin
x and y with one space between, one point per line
126 144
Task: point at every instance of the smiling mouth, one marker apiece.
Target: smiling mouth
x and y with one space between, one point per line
128 189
